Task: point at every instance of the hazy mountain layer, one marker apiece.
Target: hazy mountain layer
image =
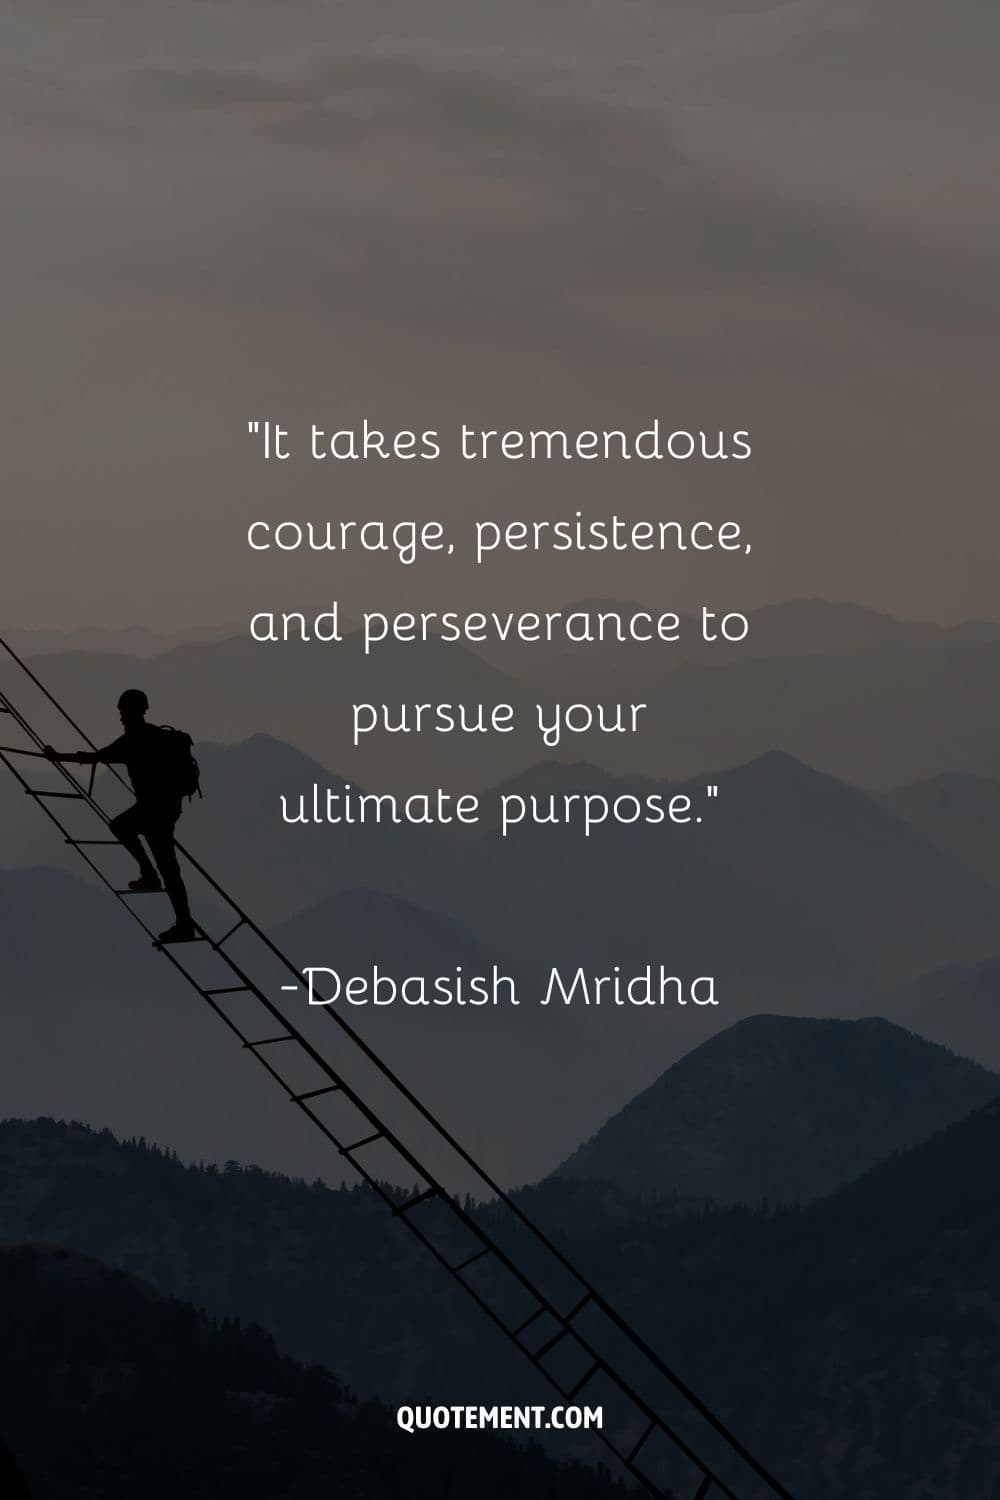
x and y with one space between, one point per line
958 813
962 1011
107 1388
796 893
852 1340
907 705
783 1109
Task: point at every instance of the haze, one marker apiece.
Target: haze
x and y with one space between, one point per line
779 217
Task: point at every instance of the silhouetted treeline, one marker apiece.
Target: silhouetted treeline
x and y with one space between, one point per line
855 1340
109 1390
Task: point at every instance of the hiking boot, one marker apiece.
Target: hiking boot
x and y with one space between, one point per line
181 932
145 883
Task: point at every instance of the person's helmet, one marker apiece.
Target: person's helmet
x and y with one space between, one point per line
135 699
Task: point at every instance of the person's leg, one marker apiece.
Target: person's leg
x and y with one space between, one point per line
126 829
159 830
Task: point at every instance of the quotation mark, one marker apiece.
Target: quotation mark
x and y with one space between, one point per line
275 438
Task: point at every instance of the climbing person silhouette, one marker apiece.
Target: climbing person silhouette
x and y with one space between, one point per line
162 771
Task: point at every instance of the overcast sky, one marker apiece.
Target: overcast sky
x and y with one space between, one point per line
718 212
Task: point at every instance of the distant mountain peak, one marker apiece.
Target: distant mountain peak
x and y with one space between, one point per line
784 1108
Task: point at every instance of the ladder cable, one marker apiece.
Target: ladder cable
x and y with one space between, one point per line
627 1451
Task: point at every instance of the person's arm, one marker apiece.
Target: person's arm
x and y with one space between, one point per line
113 754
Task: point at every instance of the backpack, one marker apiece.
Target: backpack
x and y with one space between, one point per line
176 762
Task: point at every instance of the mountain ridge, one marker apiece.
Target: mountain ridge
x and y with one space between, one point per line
783 1109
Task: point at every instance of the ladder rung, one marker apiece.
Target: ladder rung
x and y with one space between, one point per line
528 1321
235 928
589 1361
568 1317
647 1434
365 1141
471 1259
550 1344
576 1389
403 1208
125 891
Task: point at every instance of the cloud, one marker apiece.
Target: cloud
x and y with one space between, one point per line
545 206
514 208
